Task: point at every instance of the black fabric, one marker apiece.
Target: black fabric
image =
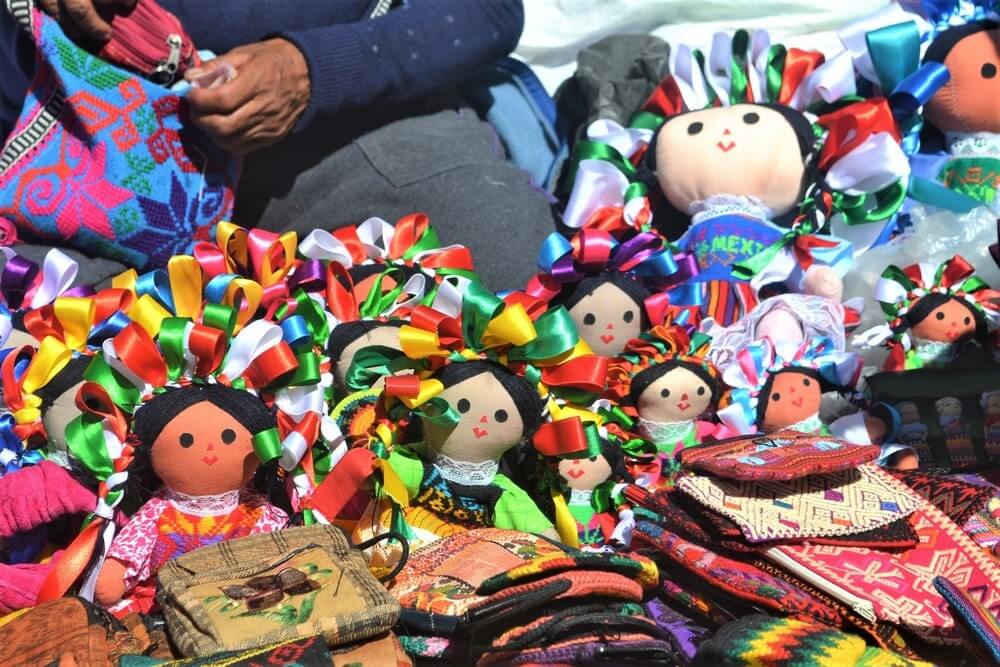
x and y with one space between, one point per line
944 42
69 376
346 333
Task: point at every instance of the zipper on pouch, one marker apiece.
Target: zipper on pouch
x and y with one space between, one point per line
862 608
381 8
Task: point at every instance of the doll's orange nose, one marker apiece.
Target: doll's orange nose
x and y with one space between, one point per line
726 131
484 419
791 390
210 446
684 397
610 326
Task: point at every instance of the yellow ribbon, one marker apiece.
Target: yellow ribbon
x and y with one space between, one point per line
244 296
76 316
565 523
512 326
148 313
185 285
125 280
419 343
51 357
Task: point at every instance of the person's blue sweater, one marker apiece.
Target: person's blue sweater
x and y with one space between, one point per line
360 55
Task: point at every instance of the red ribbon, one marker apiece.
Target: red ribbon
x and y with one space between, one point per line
273 365
798 65
343 482
610 219
136 349
955 271
208 346
587 373
407 386
109 301
803 248
852 125
561 438
340 293
448 329
409 229
349 237
666 100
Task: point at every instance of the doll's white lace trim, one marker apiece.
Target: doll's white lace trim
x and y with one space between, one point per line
223 503
664 432
718 205
466 472
808 425
580 496
976 144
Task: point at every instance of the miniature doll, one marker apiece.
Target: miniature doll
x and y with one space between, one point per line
990 403
932 313
957 438
198 441
913 432
608 287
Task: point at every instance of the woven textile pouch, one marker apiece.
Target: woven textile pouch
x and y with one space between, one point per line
819 505
305 651
779 456
101 159
971 615
957 499
762 641
739 579
898 586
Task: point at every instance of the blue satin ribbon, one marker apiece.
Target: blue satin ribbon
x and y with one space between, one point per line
9 442
157 285
688 294
109 328
215 290
934 194
553 247
295 332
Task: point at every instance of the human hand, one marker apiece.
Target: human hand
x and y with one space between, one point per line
261 104
84 17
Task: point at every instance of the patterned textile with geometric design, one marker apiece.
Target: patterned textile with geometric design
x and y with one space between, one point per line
739 579
779 456
957 499
980 623
837 503
101 159
899 585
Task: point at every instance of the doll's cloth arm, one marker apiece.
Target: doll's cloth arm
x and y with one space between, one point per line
133 546
515 510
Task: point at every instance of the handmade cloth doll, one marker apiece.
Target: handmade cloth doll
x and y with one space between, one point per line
473 398
669 387
610 288
965 109
198 442
730 146
791 318
780 386
932 313
585 476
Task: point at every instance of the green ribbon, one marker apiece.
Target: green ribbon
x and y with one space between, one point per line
479 307
616 415
437 411
748 268
315 318
646 120
603 499
774 71
635 190
267 445
428 241
220 317
307 373
739 83
171 340
557 334
595 150
377 303
122 392
374 362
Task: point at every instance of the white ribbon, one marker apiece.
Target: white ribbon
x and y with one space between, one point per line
720 62
689 79
889 291
415 289
599 184
448 299
760 46
5 329
736 420
58 273
293 448
875 164
255 339
829 82
376 237
624 140
321 244
873 337
622 534
105 511
297 402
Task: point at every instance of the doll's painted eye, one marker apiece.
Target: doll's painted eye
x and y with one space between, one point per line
463 405
589 319
967 320
695 127
751 118
939 315
988 71
628 316
664 392
701 391
228 436
186 440
775 396
806 382
501 416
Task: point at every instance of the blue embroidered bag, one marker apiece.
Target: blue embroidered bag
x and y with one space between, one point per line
103 161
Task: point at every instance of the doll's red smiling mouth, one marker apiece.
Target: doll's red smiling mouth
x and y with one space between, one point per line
575 473
797 402
726 147
682 406
479 432
607 338
210 460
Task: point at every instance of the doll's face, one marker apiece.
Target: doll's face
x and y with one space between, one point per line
584 474
779 325
993 405
970 101
679 395
951 322
607 318
489 423
204 451
949 407
908 413
384 336
745 149
794 397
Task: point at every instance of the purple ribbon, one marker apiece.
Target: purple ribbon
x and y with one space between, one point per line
309 276
17 278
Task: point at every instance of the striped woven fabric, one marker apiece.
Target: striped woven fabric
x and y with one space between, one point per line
973 616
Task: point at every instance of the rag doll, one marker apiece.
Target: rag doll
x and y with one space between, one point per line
585 481
965 109
197 442
454 473
932 313
608 287
990 404
957 438
752 176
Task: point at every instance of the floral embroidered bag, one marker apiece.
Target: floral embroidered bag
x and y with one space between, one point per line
102 160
